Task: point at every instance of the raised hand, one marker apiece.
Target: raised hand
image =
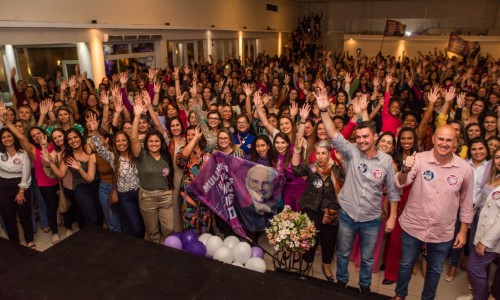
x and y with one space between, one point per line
321 96
137 107
176 73
118 103
156 87
304 112
348 77
294 109
13 72
355 106
287 79
115 91
123 78
461 100
388 79
146 98
433 95
104 98
363 102
376 82
64 85
92 122
247 89
257 100
450 94
46 156
72 81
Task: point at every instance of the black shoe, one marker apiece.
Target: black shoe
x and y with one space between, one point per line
386 282
328 278
364 290
341 284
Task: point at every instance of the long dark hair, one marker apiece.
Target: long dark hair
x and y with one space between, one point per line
398 154
17 144
31 140
68 151
130 155
169 122
254 156
466 134
288 156
165 154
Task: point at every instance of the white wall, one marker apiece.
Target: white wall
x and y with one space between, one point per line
371 45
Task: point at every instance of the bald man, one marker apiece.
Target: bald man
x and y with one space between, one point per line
442 185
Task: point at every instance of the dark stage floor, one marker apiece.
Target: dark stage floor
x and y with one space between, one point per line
99 264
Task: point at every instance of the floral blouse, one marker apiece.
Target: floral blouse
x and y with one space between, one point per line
128 178
192 165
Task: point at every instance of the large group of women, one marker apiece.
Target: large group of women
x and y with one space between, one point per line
144 134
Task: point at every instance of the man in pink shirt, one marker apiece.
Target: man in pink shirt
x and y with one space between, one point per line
442 185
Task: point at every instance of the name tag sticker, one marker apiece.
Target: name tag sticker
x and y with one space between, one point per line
318 183
496 195
16 161
377 174
428 175
452 180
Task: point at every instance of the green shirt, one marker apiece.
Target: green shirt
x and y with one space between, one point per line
152 173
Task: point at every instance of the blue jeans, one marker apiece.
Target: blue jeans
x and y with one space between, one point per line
368 234
37 198
112 214
436 255
130 216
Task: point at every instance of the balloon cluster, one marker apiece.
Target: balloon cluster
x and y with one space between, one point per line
229 251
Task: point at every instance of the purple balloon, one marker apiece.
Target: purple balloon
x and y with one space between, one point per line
197 248
257 252
177 234
173 242
188 237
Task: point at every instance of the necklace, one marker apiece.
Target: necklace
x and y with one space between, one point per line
242 141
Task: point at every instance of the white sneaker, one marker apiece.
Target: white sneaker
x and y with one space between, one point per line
465 297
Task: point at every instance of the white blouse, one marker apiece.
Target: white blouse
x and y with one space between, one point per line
16 166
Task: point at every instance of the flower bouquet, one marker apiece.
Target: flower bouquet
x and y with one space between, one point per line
291 234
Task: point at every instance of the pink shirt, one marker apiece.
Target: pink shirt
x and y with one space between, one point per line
41 178
438 192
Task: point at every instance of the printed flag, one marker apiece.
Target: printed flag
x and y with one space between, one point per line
242 193
394 28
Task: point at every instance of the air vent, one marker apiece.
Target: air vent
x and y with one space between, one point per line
272 7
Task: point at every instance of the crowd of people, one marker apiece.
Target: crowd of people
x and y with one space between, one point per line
404 150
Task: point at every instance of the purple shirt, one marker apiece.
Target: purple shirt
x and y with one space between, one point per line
438 192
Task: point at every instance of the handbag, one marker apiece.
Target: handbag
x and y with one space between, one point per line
113 195
64 203
330 216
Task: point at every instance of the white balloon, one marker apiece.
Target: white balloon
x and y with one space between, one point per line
256 264
213 243
242 252
231 241
204 238
224 254
238 264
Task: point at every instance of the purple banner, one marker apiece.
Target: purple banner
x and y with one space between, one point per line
242 193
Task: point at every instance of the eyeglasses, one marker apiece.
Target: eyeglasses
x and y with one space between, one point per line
242 123
223 138
213 119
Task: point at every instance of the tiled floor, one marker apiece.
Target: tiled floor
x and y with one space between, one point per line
446 290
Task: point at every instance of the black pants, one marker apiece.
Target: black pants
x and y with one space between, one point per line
74 212
87 197
49 194
10 210
326 235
